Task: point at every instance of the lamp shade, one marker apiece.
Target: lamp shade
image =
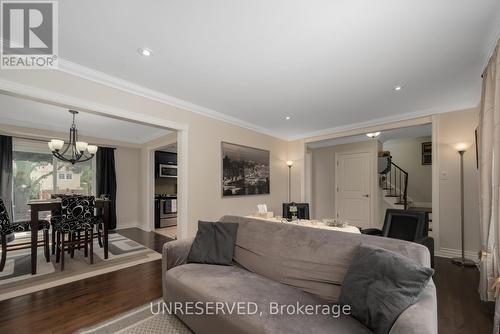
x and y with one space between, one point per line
463 146
289 163
92 149
81 146
57 144
51 146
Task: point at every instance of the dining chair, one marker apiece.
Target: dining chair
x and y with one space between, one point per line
406 225
301 209
55 216
77 215
99 220
7 227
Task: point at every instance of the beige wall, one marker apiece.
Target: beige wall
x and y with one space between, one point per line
126 164
456 127
203 142
323 177
406 153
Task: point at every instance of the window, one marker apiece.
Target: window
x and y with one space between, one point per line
33 171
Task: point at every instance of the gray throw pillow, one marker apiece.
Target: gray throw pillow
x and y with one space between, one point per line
380 285
214 243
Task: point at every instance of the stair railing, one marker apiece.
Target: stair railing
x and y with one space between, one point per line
396 182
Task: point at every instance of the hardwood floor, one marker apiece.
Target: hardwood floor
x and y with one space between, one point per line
69 307
459 308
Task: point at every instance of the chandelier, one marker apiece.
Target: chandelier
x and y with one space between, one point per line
75 151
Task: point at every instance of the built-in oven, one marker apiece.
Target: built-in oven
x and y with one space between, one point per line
166 210
167 170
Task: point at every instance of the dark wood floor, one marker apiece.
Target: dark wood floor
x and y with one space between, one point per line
66 308
459 308
69 307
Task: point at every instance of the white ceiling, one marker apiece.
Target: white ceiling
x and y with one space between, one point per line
417 131
326 64
26 113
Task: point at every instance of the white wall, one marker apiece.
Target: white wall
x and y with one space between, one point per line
323 177
203 142
406 153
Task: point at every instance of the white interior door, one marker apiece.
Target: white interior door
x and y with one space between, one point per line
353 181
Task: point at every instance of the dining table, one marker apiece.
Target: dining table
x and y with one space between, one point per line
42 205
310 223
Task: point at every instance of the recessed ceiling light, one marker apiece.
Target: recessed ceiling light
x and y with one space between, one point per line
288 118
373 134
397 88
145 52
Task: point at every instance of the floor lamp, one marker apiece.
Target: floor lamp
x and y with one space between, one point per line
462 261
289 163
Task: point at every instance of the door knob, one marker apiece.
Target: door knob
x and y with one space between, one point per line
366 195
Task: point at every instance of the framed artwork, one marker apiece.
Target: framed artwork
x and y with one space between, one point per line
245 170
427 153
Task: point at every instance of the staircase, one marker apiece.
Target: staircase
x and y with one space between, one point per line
393 181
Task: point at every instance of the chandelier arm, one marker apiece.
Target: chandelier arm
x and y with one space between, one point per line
70 152
86 158
79 155
60 157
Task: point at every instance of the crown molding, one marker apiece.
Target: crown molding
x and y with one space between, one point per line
42 95
385 120
129 87
132 88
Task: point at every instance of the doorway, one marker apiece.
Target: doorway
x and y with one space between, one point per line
165 190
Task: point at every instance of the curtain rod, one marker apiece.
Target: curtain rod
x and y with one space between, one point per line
46 141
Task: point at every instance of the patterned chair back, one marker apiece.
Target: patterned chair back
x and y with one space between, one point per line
4 217
77 207
57 213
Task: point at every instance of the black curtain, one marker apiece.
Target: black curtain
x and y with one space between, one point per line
106 179
6 172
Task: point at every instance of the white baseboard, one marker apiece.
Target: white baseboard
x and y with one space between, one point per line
449 253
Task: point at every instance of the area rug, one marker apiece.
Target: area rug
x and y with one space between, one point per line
16 278
140 320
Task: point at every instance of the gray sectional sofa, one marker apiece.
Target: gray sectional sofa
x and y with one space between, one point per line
284 264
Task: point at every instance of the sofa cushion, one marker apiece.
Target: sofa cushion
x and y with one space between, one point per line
212 283
380 285
311 259
214 243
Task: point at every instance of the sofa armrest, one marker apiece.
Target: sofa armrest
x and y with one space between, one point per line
174 254
371 231
421 317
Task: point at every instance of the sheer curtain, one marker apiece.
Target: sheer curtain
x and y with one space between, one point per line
489 175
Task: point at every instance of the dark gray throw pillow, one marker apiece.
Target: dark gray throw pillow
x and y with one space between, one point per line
380 285
214 243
